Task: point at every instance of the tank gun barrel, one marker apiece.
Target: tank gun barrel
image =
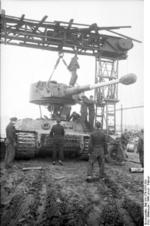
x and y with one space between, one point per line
125 80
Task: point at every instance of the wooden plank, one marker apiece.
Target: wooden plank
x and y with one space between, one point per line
20 22
32 168
40 23
136 170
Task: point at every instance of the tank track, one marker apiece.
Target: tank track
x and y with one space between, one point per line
26 144
72 144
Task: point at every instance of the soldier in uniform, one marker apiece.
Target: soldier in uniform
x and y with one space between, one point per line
91 112
73 66
57 133
74 116
140 148
10 143
84 110
97 149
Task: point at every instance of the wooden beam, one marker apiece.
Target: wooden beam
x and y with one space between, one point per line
20 22
88 25
39 24
121 35
70 24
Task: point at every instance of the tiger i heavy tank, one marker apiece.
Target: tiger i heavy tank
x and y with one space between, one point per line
33 135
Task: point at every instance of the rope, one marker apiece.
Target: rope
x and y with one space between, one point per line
57 62
65 63
61 54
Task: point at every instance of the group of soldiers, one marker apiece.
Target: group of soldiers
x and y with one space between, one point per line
97 146
86 116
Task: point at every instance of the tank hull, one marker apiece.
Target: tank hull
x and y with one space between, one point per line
33 138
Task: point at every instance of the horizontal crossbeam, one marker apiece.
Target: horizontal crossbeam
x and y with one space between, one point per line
60 36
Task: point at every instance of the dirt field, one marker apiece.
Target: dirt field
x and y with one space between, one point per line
60 195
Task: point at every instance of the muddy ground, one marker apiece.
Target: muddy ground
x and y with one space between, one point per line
59 195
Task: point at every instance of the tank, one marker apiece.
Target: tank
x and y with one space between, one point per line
33 135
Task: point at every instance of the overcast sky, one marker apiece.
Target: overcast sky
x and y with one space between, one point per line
21 66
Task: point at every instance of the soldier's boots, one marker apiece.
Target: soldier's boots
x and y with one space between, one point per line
60 162
89 178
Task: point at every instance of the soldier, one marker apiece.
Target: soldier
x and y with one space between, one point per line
83 111
57 133
10 142
91 112
97 148
140 148
73 66
124 142
74 116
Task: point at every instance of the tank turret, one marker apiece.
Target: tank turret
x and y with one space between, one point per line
45 93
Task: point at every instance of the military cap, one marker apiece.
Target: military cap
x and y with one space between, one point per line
13 119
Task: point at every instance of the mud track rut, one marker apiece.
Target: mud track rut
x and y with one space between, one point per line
59 195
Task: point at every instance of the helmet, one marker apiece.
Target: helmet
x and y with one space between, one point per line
13 119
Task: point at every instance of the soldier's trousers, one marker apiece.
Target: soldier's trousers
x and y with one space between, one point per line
141 157
58 146
96 157
91 119
73 78
124 151
9 155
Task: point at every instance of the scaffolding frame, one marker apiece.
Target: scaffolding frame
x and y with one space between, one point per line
106 97
60 36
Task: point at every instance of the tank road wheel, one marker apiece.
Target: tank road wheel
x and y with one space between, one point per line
113 153
26 145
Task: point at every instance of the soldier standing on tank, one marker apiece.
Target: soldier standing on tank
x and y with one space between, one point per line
84 110
10 143
97 149
91 112
57 133
140 148
74 116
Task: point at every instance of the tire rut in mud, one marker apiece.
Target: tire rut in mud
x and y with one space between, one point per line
120 209
37 191
59 211
22 209
45 204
